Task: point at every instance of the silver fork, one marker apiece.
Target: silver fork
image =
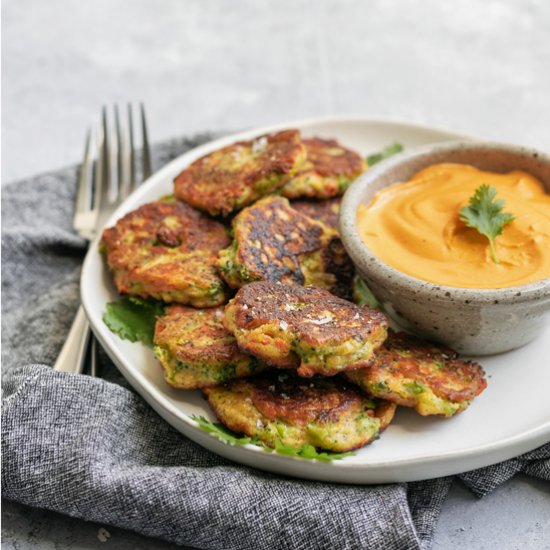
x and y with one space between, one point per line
102 185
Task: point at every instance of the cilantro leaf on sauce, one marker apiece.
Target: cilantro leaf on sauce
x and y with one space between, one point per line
485 214
133 318
387 152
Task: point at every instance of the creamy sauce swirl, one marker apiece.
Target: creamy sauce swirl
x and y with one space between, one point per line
415 227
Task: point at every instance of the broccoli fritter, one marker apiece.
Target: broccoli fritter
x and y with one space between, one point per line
325 413
414 373
196 351
326 211
328 171
304 328
274 242
233 177
167 250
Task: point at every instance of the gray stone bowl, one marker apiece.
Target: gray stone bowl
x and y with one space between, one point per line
471 321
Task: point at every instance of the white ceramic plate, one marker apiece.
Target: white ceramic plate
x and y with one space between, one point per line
511 417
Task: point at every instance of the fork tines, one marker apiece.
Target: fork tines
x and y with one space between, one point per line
103 184
119 146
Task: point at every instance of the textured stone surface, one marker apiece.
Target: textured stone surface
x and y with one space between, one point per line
514 516
479 68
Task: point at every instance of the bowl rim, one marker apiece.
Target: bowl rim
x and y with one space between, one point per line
420 287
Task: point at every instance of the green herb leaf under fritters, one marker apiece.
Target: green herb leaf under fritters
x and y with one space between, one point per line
307 451
387 152
133 318
221 432
484 213
231 438
362 294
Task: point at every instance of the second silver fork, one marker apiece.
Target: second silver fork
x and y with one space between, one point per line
103 184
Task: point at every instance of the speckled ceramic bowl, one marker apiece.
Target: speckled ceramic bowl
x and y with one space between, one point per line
472 321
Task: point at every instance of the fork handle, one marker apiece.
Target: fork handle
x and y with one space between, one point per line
73 353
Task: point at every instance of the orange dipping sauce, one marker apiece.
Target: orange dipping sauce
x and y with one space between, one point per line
415 227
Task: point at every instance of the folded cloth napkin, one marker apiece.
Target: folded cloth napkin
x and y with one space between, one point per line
93 449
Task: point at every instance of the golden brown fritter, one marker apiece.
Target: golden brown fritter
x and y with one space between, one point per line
414 373
196 351
235 176
304 328
272 241
328 171
325 413
326 211
167 250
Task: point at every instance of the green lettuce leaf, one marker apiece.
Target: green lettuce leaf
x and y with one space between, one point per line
133 318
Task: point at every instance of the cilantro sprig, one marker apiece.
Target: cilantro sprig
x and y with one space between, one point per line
485 214
231 438
387 152
221 432
133 318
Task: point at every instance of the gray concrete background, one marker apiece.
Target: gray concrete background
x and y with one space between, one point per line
475 67
480 68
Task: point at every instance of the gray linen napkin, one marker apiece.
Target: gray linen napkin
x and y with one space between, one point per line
93 449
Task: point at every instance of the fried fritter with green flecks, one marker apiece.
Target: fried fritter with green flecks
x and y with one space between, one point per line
167 250
304 328
328 171
413 373
235 176
326 211
196 351
273 241
325 413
